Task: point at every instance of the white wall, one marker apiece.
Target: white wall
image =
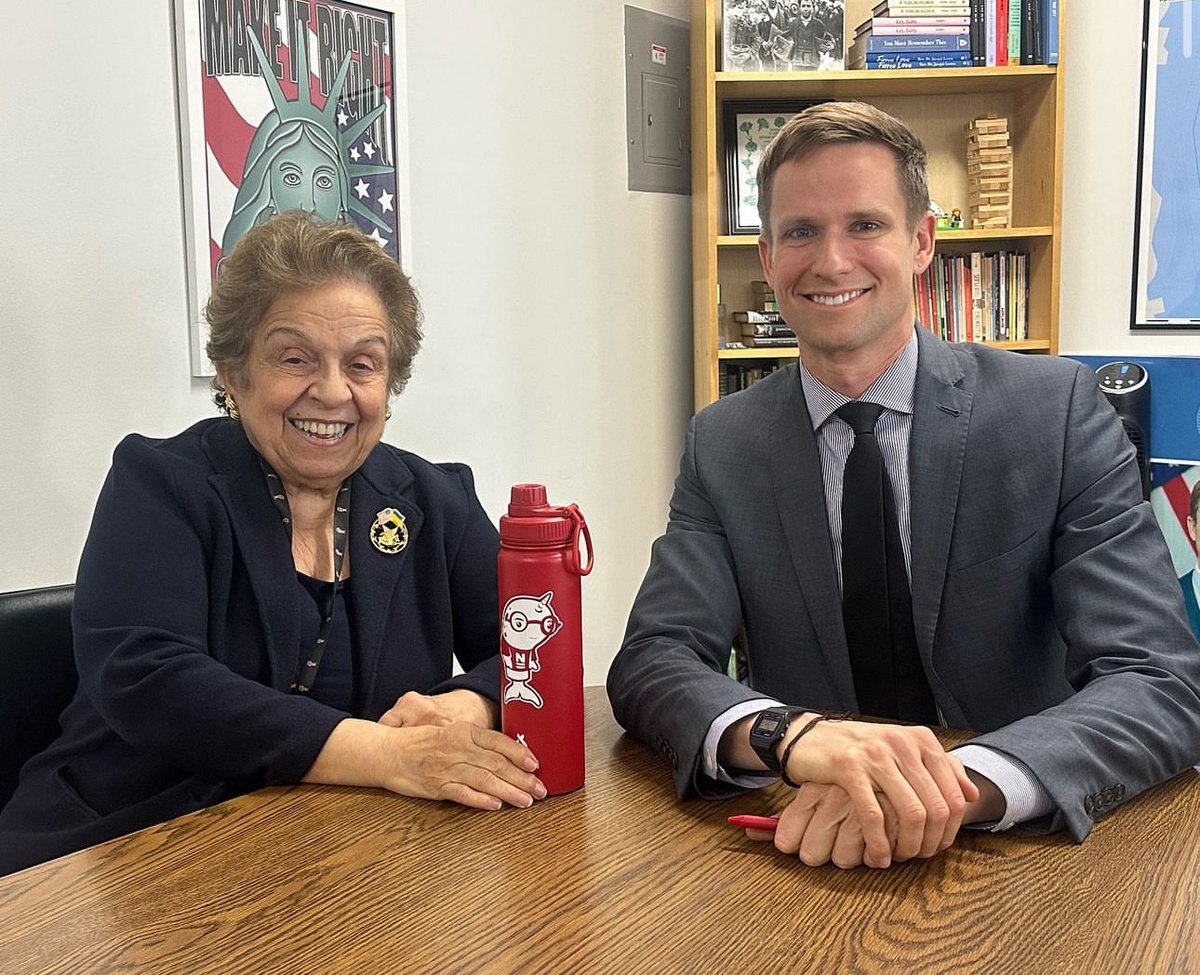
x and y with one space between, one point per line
558 309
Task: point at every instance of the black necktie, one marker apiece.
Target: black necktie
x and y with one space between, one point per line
876 605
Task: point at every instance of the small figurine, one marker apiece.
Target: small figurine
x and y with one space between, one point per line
956 220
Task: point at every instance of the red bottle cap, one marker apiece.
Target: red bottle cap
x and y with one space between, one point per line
532 523
526 500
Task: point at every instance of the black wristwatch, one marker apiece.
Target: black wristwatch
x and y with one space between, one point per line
768 730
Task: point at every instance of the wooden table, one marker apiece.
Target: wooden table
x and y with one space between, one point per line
617 878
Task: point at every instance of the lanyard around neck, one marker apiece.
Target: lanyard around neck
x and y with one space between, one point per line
306 673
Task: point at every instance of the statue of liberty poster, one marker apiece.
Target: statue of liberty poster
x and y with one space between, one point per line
284 105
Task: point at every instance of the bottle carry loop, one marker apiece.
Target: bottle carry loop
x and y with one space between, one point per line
579 529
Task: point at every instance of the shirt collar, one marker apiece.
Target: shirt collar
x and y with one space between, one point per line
893 390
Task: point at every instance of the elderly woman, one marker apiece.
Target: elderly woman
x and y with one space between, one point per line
275 596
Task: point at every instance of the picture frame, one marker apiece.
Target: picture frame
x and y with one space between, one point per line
1172 488
1166 288
255 140
748 126
783 35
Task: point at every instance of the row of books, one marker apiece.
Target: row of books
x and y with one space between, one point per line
736 376
976 297
956 34
764 329
762 326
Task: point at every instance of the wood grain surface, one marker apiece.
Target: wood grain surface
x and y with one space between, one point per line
617 878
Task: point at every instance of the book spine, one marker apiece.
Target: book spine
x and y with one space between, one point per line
919 298
990 34
1014 31
1036 46
1002 287
1028 41
917 43
759 317
989 321
978 12
964 277
964 291
1001 33
881 22
933 59
956 271
976 296
940 11
1025 295
919 8
922 8
1050 31
899 30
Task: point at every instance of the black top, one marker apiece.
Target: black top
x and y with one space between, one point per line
336 684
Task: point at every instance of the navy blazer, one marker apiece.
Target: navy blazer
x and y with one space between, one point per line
1046 611
187 633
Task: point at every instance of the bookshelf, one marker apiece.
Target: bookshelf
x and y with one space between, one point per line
937 104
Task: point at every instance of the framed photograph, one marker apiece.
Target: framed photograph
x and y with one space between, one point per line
1175 497
1166 286
749 127
782 35
285 104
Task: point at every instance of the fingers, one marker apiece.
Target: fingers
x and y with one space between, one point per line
494 766
467 764
439 710
949 775
415 709
821 826
794 820
922 785
878 845
926 806
810 825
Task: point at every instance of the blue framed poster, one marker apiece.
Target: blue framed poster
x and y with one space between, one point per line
1166 285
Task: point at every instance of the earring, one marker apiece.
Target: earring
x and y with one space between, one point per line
231 408
387 414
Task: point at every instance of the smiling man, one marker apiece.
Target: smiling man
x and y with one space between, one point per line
919 531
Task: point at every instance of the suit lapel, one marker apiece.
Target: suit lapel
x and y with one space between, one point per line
941 419
383 481
263 543
800 497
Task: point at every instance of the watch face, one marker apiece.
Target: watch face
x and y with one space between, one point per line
768 722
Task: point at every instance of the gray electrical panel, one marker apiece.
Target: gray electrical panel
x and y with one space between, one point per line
657 96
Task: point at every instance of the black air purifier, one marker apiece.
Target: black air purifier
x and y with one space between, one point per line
1127 386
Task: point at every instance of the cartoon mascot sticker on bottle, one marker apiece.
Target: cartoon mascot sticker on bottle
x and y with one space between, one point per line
528 622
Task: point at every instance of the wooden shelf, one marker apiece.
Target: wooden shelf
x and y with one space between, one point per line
742 355
943 236
871 84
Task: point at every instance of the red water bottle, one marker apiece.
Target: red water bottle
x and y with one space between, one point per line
541 632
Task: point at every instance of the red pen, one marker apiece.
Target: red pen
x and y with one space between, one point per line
767 823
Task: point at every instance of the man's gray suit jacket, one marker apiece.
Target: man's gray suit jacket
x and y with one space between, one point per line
1047 615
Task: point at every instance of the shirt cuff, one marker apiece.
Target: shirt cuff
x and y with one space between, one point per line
712 768
1024 796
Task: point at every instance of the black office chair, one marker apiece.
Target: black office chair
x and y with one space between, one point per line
37 674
